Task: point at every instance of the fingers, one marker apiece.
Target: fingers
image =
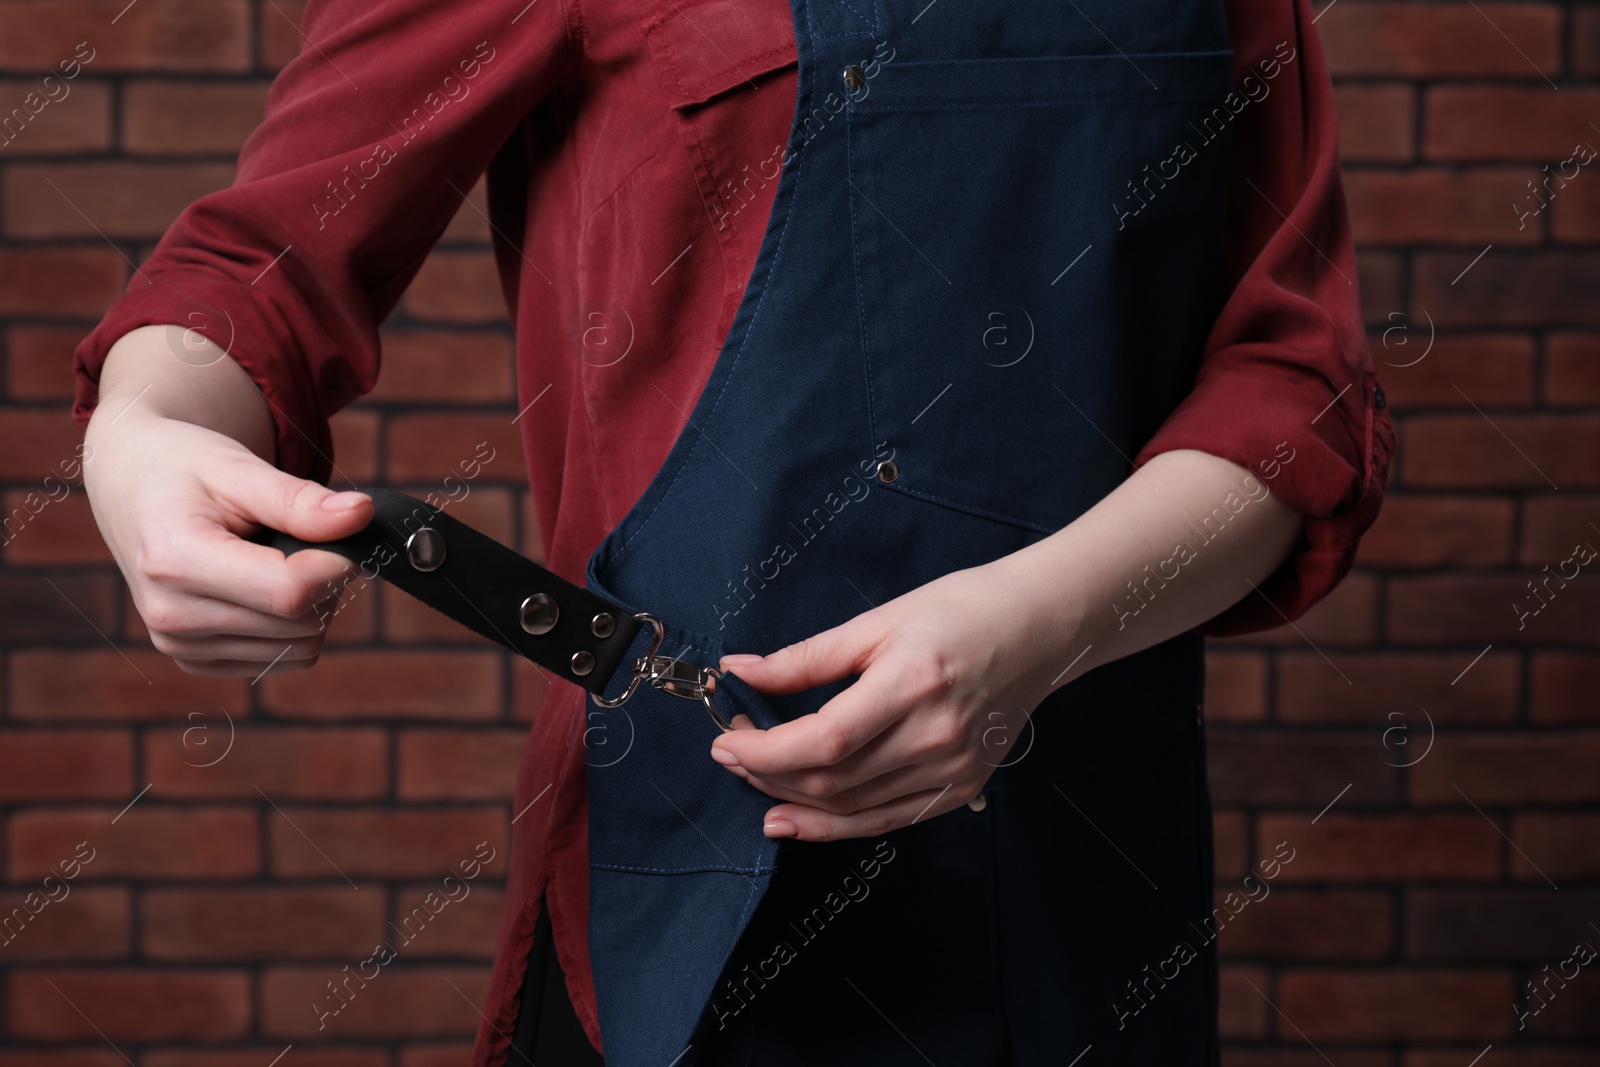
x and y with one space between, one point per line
206 561
811 824
259 492
827 657
825 738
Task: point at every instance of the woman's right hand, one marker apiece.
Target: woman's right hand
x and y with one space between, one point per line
175 500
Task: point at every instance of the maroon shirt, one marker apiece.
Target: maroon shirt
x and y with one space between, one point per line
632 162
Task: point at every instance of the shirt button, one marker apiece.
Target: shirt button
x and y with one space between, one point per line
979 802
854 77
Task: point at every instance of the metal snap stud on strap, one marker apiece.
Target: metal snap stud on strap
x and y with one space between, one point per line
425 549
539 614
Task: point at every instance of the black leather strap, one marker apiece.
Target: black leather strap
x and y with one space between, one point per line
483 585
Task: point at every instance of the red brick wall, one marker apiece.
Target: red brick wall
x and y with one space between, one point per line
1434 767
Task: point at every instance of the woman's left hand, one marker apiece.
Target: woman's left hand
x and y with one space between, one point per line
949 674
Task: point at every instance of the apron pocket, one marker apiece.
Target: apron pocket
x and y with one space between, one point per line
1024 234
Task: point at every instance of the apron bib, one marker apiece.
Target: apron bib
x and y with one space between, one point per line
986 280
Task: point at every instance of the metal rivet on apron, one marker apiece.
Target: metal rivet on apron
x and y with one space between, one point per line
1378 399
978 803
888 471
582 663
425 549
603 625
539 613
854 77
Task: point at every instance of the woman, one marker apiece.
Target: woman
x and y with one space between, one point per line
966 362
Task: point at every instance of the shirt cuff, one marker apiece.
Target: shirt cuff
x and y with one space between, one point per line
242 321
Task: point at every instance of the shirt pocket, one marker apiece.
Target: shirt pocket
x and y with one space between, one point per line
1037 247
710 55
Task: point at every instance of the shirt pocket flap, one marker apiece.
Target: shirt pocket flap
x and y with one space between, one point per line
706 47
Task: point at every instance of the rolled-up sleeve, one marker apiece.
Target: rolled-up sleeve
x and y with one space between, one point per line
372 137
1285 386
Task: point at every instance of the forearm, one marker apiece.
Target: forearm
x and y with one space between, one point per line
203 386
1184 538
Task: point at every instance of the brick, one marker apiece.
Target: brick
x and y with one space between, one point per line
1572 369
279 32
285 764
470 225
459 287
435 1056
1573 202
1397 848
1586 42
145 1005
1504 1057
74 764
1376 122
61 607
39 361
1240 1056
1296 925
304 1056
1396 1005
75 922
1236 687
1258 767
1496 925
383 844
1553 526
459 764
1389 691
447 366
100 685
400 1002
355 448
165 35
154 843
1437 206
48 529
38 441
1439 531
1475 122
117 199
1510 771
1468 610
1443 40
80 121
428 448
1242 1009
1561 847
174 117
1509 288
1348 617
1571 1014
1496 450
464 927
1230 837
59 281
280 923
81 1057
1380 277
1563 689
1422 368
389 685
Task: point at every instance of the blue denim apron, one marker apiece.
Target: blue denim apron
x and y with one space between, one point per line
985 265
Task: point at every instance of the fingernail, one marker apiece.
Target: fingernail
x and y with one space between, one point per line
342 501
740 659
724 757
780 828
